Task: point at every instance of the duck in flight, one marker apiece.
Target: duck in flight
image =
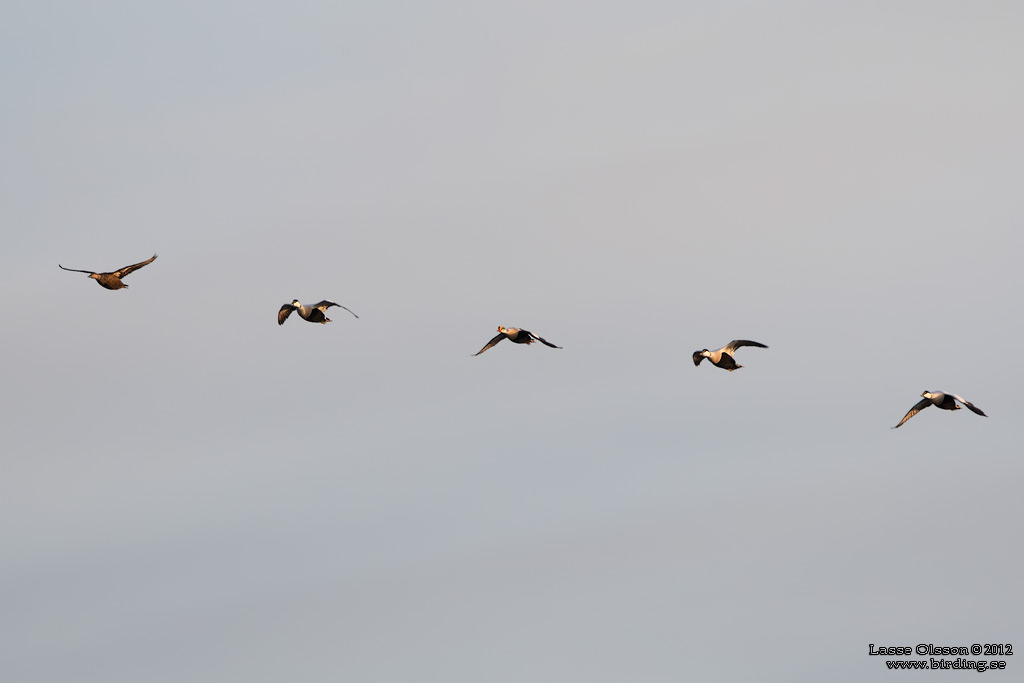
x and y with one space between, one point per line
939 400
313 314
723 357
516 335
112 280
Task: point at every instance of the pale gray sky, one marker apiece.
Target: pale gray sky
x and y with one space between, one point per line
192 493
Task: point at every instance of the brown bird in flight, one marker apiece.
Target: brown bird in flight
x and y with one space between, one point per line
939 400
112 280
313 314
516 335
722 357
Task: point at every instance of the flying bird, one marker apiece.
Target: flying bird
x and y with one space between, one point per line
514 334
313 314
112 280
939 400
723 357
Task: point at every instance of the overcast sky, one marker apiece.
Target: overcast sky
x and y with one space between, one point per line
192 493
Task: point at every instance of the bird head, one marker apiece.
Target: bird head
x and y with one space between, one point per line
501 329
295 302
927 394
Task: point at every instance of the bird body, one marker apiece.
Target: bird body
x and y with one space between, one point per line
112 280
939 400
313 314
723 357
517 336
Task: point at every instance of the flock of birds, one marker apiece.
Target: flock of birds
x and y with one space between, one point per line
722 358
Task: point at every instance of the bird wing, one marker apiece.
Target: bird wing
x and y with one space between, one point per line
75 270
918 407
132 268
697 357
285 311
325 304
737 343
543 341
497 338
974 409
